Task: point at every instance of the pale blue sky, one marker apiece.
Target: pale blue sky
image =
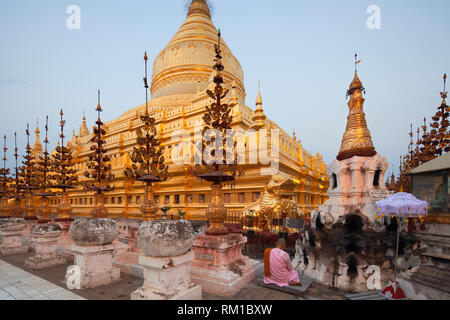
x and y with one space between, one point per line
302 51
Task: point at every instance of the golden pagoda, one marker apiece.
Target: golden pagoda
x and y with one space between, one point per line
356 140
182 74
38 151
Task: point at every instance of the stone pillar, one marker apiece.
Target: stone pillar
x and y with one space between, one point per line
11 233
45 239
93 251
64 241
127 255
357 176
219 266
17 210
4 209
166 261
31 222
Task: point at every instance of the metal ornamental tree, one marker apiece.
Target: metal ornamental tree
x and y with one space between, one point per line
5 181
64 173
218 118
44 183
29 178
147 158
99 168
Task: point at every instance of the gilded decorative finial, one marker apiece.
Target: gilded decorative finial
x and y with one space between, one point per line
99 107
259 101
444 93
46 133
146 84
356 83
259 118
217 46
356 62
27 132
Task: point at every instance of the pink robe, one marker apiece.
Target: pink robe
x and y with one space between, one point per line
281 271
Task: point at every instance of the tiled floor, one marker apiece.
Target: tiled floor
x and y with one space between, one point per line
17 284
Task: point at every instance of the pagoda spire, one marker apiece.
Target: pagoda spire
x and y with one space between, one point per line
37 148
357 140
259 118
199 7
84 131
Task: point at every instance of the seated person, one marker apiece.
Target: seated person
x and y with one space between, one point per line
278 267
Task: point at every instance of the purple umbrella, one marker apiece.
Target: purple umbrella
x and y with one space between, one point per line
401 205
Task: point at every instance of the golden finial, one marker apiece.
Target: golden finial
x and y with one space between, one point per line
99 107
259 118
259 98
218 46
444 93
146 84
356 83
356 62
37 131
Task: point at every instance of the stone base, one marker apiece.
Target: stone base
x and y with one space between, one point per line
37 263
167 278
426 282
131 269
95 263
11 243
219 266
64 241
100 279
192 293
224 283
5 252
46 254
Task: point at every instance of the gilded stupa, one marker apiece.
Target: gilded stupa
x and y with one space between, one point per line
356 140
182 73
37 147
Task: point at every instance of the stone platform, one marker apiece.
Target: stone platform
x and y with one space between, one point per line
296 291
46 255
167 278
219 266
95 263
11 243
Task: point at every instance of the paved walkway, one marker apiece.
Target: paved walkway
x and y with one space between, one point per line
17 284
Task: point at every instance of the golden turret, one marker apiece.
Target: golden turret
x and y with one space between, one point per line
37 148
357 140
84 131
259 118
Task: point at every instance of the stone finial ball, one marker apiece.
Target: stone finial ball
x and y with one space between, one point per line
166 238
13 224
93 232
49 230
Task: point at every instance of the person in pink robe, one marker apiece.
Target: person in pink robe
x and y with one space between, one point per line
281 272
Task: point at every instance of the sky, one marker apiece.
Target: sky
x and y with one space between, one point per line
301 51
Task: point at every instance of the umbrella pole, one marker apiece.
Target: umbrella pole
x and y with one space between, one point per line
396 253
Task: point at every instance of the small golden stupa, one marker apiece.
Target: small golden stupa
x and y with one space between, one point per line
356 140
